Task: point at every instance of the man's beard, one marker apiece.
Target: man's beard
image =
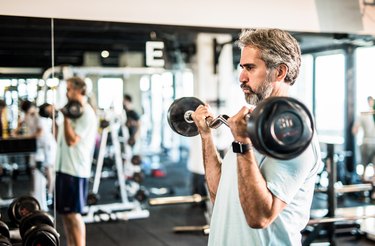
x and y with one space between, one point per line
263 91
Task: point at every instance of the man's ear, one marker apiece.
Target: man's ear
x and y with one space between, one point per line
282 70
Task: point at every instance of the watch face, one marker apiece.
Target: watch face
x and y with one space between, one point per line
236 147
287 128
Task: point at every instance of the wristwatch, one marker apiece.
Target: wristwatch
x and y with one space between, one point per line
240 148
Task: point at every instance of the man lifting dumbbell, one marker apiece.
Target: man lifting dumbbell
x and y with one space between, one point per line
75 141
259 199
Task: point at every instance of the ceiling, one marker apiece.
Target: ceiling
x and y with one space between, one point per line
26 42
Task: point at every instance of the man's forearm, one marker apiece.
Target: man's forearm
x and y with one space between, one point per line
71 137
212 165
259 205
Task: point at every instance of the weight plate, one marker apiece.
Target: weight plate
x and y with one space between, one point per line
34 219
287 128
75 109
92 199
281 127
4 230
178 116
21 207
41 235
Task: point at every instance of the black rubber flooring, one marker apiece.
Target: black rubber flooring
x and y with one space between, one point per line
157 229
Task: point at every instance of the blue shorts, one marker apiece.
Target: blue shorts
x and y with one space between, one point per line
71 193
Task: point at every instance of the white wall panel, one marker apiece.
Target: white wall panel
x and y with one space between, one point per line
289 14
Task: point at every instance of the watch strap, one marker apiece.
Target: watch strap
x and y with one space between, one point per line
240 148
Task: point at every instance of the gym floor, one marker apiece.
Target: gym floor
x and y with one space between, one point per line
157 229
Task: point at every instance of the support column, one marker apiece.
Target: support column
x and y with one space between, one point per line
350 91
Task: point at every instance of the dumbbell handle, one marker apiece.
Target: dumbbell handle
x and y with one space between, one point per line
211 122
218 121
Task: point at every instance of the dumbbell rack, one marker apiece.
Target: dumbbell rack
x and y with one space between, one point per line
124 210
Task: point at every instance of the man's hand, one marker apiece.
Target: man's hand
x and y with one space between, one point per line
238 124
199 116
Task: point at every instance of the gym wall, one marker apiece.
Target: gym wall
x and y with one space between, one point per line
294 15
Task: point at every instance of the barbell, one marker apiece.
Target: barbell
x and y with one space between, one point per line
279 127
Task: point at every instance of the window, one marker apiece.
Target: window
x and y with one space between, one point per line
303 87
330 94
110 92
364 77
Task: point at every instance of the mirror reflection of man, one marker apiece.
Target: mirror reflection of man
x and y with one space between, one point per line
75 141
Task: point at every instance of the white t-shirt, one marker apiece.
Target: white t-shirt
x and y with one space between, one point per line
45 142
195 162
76 160
292 181
366 121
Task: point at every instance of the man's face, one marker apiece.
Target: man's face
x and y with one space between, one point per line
71 92
31 112
371 103
256 80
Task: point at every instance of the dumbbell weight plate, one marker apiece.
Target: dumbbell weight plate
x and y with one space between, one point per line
138 177
41 235
141 195
136 160
21 207
73 109
4 235
178 116
4 230
281 127
36 218
92 199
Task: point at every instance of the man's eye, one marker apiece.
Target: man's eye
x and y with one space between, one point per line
247 67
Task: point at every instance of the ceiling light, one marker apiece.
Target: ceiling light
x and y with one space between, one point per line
104 53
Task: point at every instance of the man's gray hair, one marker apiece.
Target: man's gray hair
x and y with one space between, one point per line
276 47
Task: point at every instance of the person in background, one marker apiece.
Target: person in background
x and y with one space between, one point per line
32 125
75 146
259 200
49 147
133 123
366 122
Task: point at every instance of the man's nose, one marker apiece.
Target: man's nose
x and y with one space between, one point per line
243 77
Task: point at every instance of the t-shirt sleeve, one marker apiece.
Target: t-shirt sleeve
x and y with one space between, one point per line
285 177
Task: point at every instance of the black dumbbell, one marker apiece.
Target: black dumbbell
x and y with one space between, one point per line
138 177
37 228
279 127
21 207
46 110
4 235
103 123
142 194
136 160
73 109
92 198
